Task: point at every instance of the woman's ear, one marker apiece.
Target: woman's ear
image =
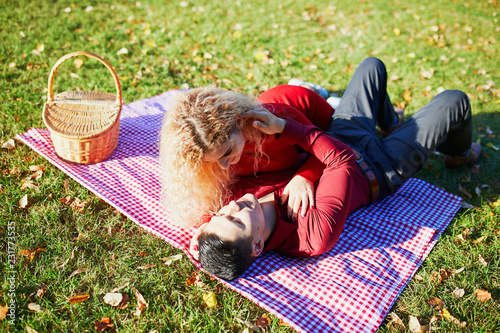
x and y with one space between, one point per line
193 245
257 247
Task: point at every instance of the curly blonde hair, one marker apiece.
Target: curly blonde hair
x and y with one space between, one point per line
201 119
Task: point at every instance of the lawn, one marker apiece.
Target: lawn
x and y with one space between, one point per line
156 46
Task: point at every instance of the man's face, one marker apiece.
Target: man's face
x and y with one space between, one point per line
241 218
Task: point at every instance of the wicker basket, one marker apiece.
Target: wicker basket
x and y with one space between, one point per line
84 126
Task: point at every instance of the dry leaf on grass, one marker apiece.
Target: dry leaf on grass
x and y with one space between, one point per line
482 260
23 202
78 271
31 253
41 291
142 254
141 303
9 144
119 300
395 321
263 322
30 330
169 260
418 278
458 293
117 289
146 266
3 311
104 324
78 298
210 299
482 295
435 303
36 308
414 325
78 62
195 279
479 240
249 325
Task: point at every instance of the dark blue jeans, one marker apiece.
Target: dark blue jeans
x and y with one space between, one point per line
444 124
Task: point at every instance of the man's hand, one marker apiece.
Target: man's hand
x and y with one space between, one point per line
300 195
265 121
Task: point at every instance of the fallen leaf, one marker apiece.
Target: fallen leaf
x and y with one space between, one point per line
464 191
446 315
466 205
36 308
458 293
414 325
78 271
435 276
146 266
142 254
263 322
123 50
3 311
396 321
479 240
170 259
41 291
31 253
23 202
114 290
195 279
407 95
78 298
119 300
492 146
249 325
482 261
210 299
141 303
9 144
457 271
103 325
435 303
78 62
30 330
418 278
74 75
482 295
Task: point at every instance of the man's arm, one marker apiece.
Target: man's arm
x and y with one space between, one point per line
318 231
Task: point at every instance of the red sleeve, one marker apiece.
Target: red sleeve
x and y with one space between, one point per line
312 168
319 230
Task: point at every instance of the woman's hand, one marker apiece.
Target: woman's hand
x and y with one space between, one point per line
265 121
300 194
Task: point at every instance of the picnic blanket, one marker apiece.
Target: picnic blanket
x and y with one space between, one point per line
349 289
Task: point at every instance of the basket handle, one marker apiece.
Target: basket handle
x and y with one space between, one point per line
90 55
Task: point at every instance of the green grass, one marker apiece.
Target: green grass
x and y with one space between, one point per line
174 43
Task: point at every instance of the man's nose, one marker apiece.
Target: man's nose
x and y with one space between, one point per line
233 206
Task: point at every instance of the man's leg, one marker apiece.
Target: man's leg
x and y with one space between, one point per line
444 124
365 101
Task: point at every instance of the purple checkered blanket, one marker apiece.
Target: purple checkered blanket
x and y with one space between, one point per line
349 289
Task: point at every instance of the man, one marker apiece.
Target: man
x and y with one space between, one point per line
359 169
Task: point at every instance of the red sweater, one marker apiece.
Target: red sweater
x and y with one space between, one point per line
341 189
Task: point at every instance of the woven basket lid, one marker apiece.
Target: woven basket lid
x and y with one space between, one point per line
81 114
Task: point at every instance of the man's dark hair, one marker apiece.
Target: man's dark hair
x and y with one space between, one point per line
223 258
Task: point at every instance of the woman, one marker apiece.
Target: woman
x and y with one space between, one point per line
210 138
